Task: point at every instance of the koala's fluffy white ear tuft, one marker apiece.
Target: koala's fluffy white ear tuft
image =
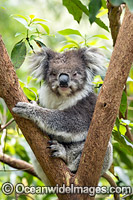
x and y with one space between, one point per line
94 60
39 64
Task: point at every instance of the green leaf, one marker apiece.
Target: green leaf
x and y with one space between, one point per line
18 54
32 37
45 27
123 105
125 144
21 16
104 3
29 78
17 34
76 8
101 24
102 12
39 43
22 21
117 123
22 84
94 7
30 94
68 46
32 16
38 20
72 42
101 36
124 157
69 32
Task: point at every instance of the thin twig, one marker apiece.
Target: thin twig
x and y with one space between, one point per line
4 126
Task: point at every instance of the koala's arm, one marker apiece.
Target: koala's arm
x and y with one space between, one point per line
63 125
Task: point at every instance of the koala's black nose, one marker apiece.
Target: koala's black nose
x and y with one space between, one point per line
63 80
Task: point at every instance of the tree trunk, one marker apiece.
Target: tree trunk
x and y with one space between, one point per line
102 123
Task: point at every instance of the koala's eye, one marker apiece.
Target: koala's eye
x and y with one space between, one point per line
75 74
52 73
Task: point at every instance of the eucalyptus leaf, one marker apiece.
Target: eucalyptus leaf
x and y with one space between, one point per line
18 54
100 23
45 27
29 93
39 20
123 105
39 43
69 32
125 144
73 9
94 7
101 36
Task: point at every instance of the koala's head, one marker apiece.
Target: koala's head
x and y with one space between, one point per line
69 72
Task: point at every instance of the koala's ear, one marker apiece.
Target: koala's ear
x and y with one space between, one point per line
94 60
39 63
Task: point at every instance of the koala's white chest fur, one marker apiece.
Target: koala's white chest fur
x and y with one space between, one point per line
51 101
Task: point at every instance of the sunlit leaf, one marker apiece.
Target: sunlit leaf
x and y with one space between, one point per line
101 36
32 16
45 27
68 46
18 54
22 84
29 93
39 20
22 21
72 42
102 12
29 78
69 32
92 43
20 16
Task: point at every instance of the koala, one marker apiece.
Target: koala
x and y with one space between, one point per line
67 102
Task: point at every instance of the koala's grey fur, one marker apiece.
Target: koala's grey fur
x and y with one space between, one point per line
66 110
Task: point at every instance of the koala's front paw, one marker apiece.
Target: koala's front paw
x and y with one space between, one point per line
23 109
57 149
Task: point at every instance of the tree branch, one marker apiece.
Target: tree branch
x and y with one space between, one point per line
107 106
114 14
12 93
18 164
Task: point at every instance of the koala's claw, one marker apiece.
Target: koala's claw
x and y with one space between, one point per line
57 149
23 109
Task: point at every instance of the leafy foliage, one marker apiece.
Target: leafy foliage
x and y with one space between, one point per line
19 50
76 8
